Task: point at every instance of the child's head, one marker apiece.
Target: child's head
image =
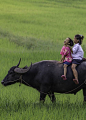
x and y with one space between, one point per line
78 39
68 41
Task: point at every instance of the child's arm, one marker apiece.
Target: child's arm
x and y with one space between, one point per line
62 59
70 48
63 56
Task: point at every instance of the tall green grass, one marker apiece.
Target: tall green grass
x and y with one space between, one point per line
45 20
34 30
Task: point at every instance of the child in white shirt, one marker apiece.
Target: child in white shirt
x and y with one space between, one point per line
77 55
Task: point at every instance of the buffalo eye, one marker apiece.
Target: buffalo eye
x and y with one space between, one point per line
10 72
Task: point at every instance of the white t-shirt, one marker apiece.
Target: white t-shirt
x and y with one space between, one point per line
77 52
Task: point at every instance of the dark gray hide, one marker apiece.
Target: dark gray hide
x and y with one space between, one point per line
45 76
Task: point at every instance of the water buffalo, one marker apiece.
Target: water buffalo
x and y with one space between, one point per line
45 76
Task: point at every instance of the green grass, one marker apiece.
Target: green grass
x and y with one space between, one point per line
54 19
34 30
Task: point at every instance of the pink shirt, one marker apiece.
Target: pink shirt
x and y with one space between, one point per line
66 51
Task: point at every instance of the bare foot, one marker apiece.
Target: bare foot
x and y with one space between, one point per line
64 77
76 81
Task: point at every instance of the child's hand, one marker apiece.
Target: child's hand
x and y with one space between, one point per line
60 62
62 59
69 46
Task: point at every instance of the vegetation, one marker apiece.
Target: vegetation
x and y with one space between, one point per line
34 30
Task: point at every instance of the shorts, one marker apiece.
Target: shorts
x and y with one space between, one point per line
67 63
76 61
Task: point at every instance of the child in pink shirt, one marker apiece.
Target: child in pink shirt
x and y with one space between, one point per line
66 55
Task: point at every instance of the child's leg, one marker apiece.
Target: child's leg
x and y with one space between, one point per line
75 73
65 69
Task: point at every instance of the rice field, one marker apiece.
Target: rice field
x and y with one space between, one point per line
34 30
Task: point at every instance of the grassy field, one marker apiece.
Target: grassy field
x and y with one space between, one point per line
34 30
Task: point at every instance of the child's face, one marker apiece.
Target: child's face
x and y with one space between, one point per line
66 41
75 40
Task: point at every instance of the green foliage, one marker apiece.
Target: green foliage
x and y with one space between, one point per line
34 30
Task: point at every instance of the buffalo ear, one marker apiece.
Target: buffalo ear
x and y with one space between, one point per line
19 62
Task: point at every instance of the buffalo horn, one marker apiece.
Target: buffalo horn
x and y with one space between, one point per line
19 62
21 70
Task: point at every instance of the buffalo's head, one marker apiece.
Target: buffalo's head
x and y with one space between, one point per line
14 74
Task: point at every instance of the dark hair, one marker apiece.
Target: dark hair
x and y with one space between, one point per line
71 42
80 38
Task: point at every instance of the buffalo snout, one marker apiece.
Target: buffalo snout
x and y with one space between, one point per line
2 82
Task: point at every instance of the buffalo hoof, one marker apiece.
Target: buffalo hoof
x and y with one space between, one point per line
84 98
74 93
42 101
84 103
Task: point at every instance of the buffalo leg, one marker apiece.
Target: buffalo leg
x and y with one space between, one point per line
42 97
52 96
84 93
43 92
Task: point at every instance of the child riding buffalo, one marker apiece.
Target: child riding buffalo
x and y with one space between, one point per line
66 55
